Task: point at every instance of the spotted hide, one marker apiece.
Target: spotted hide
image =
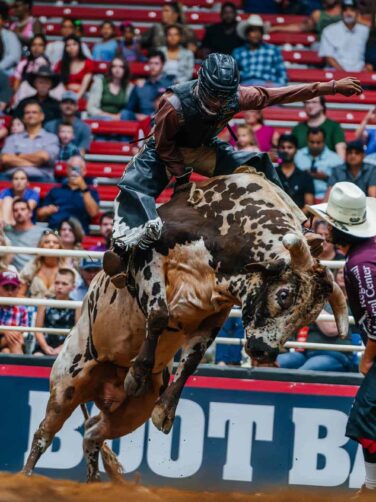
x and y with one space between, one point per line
232 240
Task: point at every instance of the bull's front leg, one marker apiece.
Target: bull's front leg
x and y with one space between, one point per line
164 411
152 299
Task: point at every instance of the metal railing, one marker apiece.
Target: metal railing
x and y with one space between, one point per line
36 302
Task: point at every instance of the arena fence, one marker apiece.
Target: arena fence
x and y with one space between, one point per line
36 302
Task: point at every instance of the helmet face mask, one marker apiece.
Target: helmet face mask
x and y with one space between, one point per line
218 81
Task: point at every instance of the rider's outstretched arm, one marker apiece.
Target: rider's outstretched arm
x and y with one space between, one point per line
256 98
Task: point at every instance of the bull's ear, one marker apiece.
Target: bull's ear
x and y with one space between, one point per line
267 267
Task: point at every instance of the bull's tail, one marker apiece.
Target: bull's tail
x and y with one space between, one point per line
113 467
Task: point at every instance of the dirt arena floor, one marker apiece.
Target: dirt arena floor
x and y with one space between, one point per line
18 488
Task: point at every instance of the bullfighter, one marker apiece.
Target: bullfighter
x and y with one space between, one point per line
352 223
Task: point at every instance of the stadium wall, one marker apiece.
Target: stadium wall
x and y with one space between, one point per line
236 429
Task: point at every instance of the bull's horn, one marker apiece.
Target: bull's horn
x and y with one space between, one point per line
301 258
338 303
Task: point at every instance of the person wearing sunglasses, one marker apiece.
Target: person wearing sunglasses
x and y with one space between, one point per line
11 315
189 117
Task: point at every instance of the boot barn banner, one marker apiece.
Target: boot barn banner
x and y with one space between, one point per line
230 433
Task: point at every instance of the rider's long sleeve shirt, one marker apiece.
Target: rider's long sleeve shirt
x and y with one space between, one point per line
168 120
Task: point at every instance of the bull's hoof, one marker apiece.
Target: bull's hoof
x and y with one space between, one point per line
162 420
94 478
136 385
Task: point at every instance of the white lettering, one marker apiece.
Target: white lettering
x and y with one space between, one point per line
191 444
244 422
308 446
358 472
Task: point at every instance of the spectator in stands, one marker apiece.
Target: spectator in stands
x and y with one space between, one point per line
55 49
69 110
11 342
317 160
259 63
355 170
34 150
246 139
16 126
89 268
370 56
19 189
71 235
43 81
172 13
106 49
267 137
142 99
39 274
29 64
329 252
23 233
317 21
26 25
315 110
72 198
75 68
58 318
179 62
298 184
319 360
229 355
343 44
128 47
67 148
5 91
10 53
222 37
110 93
106 223
6 258
367 135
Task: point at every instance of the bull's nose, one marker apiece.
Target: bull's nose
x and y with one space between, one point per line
257 349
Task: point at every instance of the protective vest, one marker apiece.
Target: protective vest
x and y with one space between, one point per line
199 128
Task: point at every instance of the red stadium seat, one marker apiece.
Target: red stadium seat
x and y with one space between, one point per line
298 115
90 241
142 15
326 75
110 148
121 127
159 3
302 57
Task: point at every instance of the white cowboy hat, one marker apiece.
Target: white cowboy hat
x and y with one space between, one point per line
253 20
349 210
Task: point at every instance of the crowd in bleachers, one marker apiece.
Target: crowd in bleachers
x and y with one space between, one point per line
79 85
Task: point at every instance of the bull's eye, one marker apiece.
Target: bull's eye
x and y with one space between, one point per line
284 298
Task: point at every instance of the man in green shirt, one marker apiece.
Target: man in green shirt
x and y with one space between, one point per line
316 113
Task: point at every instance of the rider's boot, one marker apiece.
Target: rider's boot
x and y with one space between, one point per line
116 261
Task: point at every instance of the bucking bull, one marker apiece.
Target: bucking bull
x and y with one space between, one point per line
231 240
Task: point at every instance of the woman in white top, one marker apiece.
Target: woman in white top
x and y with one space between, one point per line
179 61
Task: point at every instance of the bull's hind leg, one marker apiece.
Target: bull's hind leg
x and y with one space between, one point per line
193 351
152 299
58 411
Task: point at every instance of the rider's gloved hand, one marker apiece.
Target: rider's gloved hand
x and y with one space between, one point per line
183 179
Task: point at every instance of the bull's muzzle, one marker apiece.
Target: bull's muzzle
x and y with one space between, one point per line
260 351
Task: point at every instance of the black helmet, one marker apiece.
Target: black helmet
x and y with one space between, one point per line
218 75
